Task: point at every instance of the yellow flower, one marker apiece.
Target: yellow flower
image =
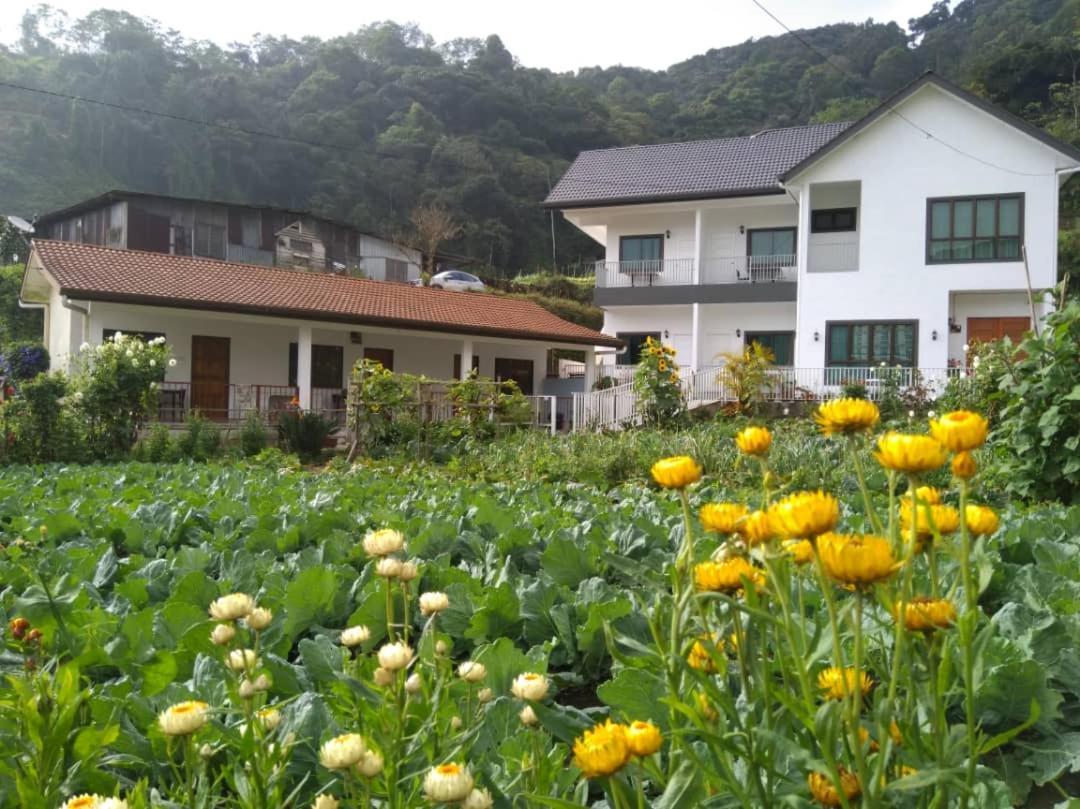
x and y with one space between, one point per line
602 750
960 430
706 708
911 454
448 783
838 683
383 542
804 515
183 718
924 495
894 733
721 517
726 576
825 793
856 559
700 657
643 738
964 466
847 416
478 799
945 519
82 802
754 441
756 528
676 472
801 551
661 366
674 377
926 614
981 520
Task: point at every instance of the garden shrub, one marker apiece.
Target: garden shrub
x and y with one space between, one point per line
252 435
657 384
303 433
23 360
981 387
38 425
157 446
1038 435
201 440
854 390
746 375
118 382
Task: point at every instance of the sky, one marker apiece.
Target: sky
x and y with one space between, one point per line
557 34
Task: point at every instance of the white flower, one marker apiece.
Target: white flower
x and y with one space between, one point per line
231 607
471 671
129 353
435 602
249 688
441 647
478 799
455 723
241 659
448 783
172 363
409 571
355 635
269 718
184 718
222 634
911 414
930 414
967 348
152 363
370 765
259 618
485 695
325 802
413 684
84 347
383 542
388 567
975 362
528 716
77 396
530 686
112 803
395 656
342 751
118 337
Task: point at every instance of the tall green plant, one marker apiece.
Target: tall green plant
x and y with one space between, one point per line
1039 431
657 384
746 374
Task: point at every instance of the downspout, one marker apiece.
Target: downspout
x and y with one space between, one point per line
65 301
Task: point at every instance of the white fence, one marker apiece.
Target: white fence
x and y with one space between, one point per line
617 407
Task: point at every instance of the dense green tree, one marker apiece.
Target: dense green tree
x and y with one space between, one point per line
381 120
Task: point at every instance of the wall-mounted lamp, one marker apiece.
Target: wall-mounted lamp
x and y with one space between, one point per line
667 234
933 335
666 335
742 229
738 332
817 337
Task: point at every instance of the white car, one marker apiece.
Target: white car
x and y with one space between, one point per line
456 281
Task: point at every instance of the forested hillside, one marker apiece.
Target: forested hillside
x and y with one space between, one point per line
404 120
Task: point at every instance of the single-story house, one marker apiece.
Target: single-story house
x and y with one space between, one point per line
250 337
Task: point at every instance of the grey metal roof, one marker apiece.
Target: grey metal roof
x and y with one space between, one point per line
701 169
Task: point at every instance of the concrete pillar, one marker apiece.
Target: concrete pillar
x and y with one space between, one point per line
699 241
303 366
695 336
590 368
466 357
807 353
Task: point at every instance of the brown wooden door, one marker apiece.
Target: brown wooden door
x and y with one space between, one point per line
210 376
521 371
984 329
384 356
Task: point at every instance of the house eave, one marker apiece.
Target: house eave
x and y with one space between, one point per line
610 202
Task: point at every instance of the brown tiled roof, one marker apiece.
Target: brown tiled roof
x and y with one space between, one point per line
89 272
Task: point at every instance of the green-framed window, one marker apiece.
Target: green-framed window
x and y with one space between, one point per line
980 229
871 343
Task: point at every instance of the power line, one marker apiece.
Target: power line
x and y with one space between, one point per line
827 59
240 130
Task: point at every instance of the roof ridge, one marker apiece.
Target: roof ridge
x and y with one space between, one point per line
725 139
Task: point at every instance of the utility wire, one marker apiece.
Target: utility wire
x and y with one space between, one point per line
261 133
827 59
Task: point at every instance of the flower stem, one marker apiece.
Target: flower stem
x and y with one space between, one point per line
868 504
967 642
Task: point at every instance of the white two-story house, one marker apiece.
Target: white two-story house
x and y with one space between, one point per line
896 239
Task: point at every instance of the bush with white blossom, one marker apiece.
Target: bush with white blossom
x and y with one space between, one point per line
118 381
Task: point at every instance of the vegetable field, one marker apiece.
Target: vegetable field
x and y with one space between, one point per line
115 568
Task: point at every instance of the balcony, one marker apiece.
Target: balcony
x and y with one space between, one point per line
733 279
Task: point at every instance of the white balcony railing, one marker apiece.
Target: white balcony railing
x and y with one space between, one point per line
681 271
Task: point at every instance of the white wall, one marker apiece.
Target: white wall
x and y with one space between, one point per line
718 325
834 252
259 347
63 332
899 168
983 304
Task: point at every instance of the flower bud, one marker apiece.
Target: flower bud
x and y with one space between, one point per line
441 647
455 723
471 671
409 571
395 656
355 635
413 684
964 466
241 659
222 634
528 716
388 567
382 677
485 695
259 619
433 603
370 765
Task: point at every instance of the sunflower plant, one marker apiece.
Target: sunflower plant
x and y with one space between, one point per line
658 385
811 650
